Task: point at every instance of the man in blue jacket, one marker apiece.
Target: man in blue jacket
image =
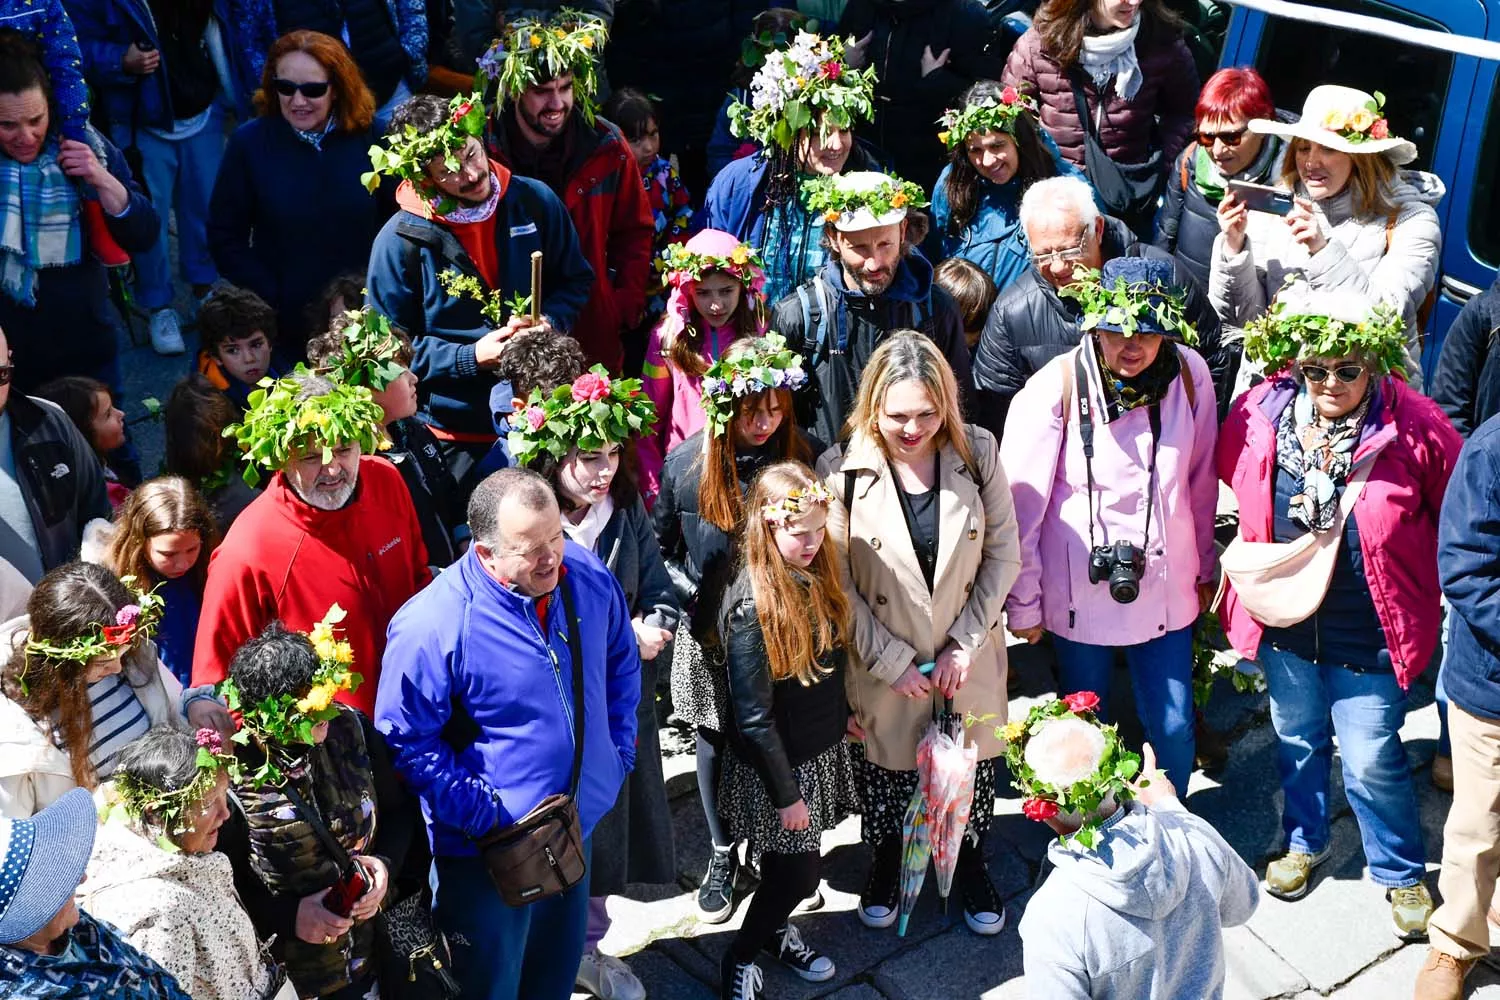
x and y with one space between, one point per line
476 700
481 222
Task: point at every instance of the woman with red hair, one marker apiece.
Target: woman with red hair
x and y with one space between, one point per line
288 213
1223 149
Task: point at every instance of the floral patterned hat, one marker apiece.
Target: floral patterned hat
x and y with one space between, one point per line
1342 118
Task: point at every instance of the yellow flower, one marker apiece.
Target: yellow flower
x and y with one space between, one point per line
559 33
1361 119
318 699
587 41
344 653
740 255
800 81
898 199
326 649
1335 121
1013 731
831 215
943 137
536 39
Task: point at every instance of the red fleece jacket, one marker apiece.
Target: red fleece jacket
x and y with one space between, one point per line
284 559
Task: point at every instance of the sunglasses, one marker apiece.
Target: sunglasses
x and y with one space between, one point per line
1231 139
1347 374
311 91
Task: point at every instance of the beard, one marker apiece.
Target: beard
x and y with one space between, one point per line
869 287
534 122
333 498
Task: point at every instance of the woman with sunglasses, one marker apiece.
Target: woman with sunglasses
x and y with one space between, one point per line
289 213
1336 416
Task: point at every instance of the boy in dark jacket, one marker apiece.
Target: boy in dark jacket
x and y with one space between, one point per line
237 330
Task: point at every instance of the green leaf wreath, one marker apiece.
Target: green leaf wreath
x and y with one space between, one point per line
1125 304
594 411
406 154
987 116
746 369
279 424
369 353
167 810
570 43
830 198
1286 333
796 85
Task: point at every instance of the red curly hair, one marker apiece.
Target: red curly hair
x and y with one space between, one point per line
353 104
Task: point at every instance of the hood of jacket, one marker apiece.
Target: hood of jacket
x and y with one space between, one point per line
1134 870
912 283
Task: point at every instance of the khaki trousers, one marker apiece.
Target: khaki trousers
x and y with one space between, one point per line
1471 839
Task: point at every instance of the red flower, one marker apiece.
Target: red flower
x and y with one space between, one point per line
831 70
1039 809
1009 95
462 111
1081 701
1381 129
536 417
119 635
589 387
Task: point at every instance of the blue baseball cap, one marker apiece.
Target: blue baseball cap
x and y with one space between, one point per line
1151 278
42 860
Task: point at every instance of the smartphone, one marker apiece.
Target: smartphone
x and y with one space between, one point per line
346 892
1261 198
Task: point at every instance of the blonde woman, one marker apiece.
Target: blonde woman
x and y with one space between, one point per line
926 529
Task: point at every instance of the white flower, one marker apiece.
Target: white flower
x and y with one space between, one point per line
1065 752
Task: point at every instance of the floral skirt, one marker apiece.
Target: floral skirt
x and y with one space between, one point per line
700 687
886 793
827 786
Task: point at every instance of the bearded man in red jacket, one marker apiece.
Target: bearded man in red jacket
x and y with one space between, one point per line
335 525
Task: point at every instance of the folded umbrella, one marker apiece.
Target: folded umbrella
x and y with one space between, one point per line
916 851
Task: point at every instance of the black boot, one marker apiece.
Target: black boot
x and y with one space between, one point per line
983 911
878 903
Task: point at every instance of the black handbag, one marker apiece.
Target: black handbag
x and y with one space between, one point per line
1129 191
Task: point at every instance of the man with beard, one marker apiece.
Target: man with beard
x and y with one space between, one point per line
546 127
335 526
462 216
873 283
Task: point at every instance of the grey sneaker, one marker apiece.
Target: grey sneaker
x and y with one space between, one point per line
608 978
166 332
1287 876
1411 908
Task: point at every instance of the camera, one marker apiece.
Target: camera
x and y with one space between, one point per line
1121 564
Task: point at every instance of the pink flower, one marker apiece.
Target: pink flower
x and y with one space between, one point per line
831 70
210 740
462 111
1039 809
1081 701
1381 129
1009 95
128 615
536 417
589 387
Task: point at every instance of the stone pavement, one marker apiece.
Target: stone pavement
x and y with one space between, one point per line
1335 942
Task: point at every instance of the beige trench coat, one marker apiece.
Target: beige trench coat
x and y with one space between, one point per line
896 621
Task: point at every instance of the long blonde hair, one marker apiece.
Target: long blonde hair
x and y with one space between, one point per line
1371 180
800 622
909 356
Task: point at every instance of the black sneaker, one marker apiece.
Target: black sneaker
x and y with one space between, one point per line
787 948
878 903
716 894
984 913
741 980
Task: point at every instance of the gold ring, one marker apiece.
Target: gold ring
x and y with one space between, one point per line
328 939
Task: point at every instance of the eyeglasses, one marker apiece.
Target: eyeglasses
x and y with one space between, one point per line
1347 374
311 91
1069 256
1230 139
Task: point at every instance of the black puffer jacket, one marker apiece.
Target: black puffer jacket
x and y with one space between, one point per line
1029 325
1467 381
777 724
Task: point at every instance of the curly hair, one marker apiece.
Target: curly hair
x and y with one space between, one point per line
194 419
324 348
424 112
156 507
353 104
534 359
1034 163
233 313
276 662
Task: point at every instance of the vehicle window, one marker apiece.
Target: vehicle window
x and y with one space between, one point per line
1484 208
1296 56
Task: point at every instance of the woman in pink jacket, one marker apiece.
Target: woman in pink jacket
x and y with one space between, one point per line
1110 455
1289 449
717 298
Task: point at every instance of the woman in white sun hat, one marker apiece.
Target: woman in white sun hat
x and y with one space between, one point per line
1357 222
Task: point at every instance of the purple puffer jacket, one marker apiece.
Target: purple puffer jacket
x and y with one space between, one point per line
1169 89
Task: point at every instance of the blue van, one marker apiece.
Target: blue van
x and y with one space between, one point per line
1447 104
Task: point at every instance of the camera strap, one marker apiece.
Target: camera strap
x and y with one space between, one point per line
1086 434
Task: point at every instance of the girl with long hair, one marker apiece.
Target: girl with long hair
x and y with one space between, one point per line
718 297
784 621
927 529
750 424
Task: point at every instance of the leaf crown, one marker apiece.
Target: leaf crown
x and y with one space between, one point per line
796 503
743 263
281 421
369 353
594 411
796 83
831 197
1124 305
533 51
406 154
753 367
990 115
1361 124
167 808
1287 332
137 620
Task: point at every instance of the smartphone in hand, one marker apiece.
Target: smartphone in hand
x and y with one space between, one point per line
346 892
1262 198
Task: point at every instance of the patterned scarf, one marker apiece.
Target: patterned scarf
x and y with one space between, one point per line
1318 455
39 223
1121 394
314 137
465 214
97 965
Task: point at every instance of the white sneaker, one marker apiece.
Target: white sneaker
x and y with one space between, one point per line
166 332
608 978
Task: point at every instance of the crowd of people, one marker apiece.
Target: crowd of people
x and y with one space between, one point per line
530 411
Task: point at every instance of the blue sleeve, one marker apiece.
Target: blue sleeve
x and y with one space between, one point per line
49 25
388 293
252 23
99 44
939 245
623 677
411 709
231 220
412 16
138 227
722 144
1468 560
724 207
568 277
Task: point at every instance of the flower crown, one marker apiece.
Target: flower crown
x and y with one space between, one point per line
278 423
795 84
1283 333
747 372
134 621
743 263
795 504
406 154
368 351
827 197
533 51
1360 124
987 116
1056 783
286 720
168 809
1125 304
755 50
594 411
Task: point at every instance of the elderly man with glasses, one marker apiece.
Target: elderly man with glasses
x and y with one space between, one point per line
1030 324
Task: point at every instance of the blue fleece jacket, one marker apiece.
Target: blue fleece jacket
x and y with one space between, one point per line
1469 567
467 640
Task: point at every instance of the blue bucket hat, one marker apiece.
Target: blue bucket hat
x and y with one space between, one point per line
42 860
1151 281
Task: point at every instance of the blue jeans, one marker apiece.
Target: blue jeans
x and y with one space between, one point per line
1161 675
1366 711
502 952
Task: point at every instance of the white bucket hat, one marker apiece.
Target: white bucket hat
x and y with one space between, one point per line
864 217
1342 118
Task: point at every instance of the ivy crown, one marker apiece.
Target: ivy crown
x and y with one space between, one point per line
1130 307
593 411
1288 332
406 153
533 51
987 115
283 419
369 352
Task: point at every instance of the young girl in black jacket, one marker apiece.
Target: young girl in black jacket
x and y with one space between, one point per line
784 623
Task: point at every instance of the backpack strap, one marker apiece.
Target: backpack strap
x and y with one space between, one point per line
1187 381
1182 164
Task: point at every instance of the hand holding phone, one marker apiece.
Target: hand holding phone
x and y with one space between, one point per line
1262 198
346 892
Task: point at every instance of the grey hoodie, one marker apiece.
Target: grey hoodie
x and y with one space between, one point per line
1140 916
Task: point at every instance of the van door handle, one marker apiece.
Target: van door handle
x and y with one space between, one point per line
1459 291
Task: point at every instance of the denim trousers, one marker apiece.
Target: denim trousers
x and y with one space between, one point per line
1161 675
505 952
1365 711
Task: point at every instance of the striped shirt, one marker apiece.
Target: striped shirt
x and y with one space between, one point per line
119 718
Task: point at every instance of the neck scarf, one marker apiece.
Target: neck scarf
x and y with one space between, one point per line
314 137
1211 182
587 531
1121 394
1113 56
472 213
1318 454
39 223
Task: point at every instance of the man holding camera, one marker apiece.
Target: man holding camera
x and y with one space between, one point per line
1110 455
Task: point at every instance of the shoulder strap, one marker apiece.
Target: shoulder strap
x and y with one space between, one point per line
808 333
1390 227
311 817
575 646
1187 382
1082 102
826 314
1188 154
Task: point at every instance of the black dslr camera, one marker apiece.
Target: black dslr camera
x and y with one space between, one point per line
1122 565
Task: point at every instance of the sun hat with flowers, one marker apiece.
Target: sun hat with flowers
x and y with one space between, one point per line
1305 323
798 83
136 620
533 51
282 421
1066 762
1345 119
748 367
166 808
594 411
368 352
990 114
860 200
406 154
796 503
287 720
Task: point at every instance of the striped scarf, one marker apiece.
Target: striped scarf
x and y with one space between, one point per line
39 223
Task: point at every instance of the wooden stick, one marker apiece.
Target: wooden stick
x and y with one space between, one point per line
536 286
